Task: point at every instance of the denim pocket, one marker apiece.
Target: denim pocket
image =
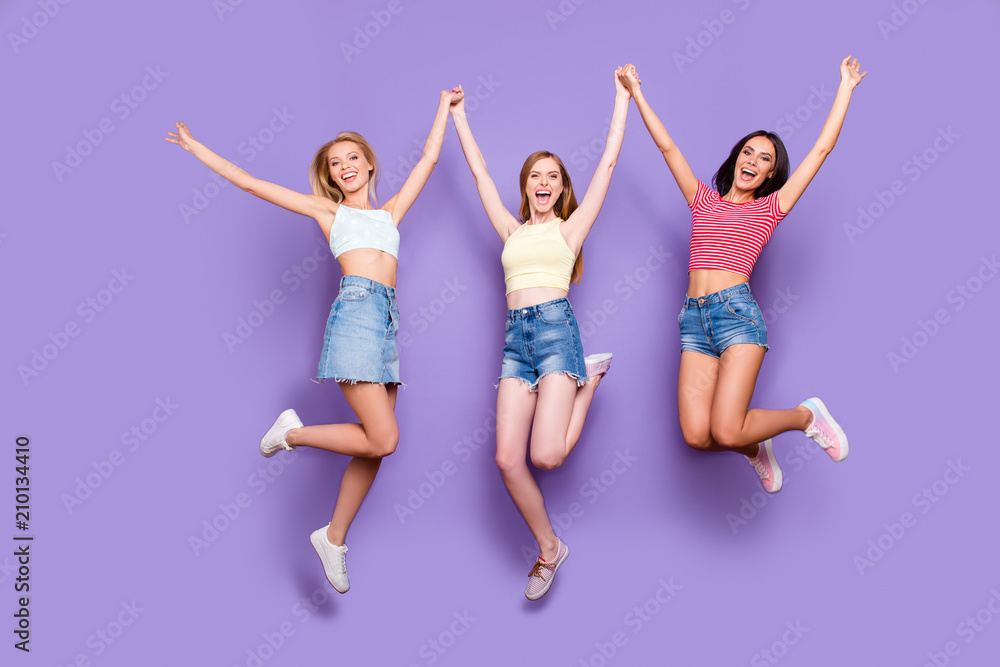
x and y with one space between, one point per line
743 307
353 294
555 314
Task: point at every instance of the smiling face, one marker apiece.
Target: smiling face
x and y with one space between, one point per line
754 164
349 168
544 185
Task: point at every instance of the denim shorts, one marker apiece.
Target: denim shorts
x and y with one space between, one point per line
360 340
540 340
714 322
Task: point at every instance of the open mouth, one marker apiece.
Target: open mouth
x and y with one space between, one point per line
747 174
543 197
349 177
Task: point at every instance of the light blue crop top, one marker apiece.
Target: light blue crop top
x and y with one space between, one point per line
363 228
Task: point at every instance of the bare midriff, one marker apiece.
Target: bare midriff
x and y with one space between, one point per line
369 263
709 281
532 296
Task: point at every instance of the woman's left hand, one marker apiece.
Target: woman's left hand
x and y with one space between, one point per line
620 88
850 72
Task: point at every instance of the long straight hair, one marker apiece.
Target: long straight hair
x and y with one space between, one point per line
323 184
723 180
563 207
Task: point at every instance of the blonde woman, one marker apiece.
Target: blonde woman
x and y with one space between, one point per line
359 346
546 385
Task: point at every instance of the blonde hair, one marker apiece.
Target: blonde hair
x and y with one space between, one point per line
563 207
323 184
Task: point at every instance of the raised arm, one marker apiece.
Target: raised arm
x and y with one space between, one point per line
403 200
583 218
320 208
850 76
676 162
503 222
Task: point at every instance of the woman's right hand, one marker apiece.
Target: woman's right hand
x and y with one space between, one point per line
182 137
630 79
457 100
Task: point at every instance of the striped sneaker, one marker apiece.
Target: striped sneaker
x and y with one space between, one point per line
825 431
767 467
541 575
597 364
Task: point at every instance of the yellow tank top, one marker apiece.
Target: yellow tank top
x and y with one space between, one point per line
537 256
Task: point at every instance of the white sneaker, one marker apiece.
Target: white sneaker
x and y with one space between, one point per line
334 559
274 439
597 364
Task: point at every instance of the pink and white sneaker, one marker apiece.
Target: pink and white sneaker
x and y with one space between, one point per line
541 575
274 440
825 431
767 467
597 364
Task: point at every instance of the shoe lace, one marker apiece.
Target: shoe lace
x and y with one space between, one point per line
820 435
540 567
759 466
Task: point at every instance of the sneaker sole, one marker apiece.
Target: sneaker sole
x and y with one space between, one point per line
779 478
548 584
836 428
264 452
319 552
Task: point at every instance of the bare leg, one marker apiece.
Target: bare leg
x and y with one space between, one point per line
515 408
695 391
354 486
733 426
559 417
375 436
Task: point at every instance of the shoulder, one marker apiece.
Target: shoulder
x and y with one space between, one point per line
703 196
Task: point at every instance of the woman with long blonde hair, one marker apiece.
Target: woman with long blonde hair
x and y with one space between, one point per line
546 384
359 346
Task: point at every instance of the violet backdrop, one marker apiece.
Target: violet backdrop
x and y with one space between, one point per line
157 323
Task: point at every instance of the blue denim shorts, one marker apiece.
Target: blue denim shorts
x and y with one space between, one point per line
714 322
360 340
540 340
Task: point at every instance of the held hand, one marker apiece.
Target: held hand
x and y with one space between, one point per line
620 88
629 78
850 72
182 137
455 97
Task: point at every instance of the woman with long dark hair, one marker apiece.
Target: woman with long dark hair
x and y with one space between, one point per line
723 336
546 384
359 346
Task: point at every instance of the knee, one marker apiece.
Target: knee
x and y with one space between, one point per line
509 464
547 460
384 444
726 436
697 438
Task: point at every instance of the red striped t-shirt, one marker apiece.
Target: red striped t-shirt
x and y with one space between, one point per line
727 236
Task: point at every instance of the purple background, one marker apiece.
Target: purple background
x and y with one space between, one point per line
838 302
